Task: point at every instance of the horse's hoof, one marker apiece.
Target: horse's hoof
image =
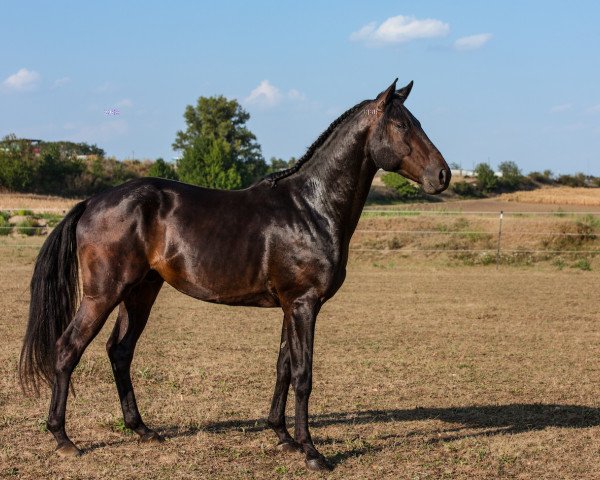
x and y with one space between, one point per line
318 464
289 446
151 437
68 450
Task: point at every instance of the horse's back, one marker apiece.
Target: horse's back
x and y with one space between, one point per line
210 244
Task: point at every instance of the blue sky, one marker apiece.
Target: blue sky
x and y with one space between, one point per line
501 81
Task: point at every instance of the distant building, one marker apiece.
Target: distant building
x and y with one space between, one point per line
460 172
16 144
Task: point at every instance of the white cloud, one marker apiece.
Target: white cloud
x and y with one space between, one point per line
21 81
294 94
268 95
61 82
106 87
400 29
472 42
126 102
594 109
265 95
563 107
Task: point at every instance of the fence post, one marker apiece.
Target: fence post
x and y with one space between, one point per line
499 237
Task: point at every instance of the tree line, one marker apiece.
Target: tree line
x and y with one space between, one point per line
509 178
217 150
484 181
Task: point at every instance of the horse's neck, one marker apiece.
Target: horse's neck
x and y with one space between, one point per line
336 181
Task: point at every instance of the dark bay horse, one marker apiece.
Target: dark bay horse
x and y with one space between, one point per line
282 242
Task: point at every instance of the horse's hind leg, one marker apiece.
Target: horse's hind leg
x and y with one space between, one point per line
276 418
88 321
133 315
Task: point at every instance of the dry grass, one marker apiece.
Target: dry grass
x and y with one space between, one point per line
37 203
473 238
557 196
422 371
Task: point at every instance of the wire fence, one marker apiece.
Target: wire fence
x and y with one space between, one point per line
501 241
586 240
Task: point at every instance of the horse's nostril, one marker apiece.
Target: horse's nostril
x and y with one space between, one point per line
443 176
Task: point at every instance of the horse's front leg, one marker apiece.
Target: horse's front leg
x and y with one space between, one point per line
300 338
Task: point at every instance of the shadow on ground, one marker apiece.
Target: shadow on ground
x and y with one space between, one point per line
465 422
511 418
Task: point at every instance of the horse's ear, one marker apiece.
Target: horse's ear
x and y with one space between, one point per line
404 92
385 97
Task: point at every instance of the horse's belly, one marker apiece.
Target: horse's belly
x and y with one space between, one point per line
219 285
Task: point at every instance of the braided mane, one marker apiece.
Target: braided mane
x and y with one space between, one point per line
274 177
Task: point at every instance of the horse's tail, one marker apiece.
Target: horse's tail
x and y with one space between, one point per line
54 298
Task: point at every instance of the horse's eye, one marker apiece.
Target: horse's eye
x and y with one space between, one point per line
401 126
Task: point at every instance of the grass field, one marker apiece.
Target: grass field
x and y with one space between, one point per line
46 203
544 199
428 365
423 370
557 195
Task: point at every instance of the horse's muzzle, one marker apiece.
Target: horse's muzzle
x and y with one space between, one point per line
436 178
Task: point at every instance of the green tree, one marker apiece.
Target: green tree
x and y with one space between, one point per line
465 189
162 169
17 173
577 180
486 178
278 164
511 175
405 189
218 118
209 162
56 170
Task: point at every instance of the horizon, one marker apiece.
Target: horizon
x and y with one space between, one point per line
493 83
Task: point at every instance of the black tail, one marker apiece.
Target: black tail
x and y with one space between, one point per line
54 298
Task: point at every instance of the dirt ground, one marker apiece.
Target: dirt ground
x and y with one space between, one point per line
422 370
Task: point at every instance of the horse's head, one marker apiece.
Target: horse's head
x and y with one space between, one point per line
397 143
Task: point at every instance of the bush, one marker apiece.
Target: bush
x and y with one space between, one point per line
486 178
162 169
511 175
577 180
5 227
29 227
582 264
17 173
24 213
466 189
546 177
405 189
52 219
55 170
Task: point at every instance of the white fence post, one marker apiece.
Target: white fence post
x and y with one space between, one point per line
499 237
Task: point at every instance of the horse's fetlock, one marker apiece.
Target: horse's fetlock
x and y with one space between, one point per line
53 426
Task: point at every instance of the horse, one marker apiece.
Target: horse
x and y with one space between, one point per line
282 242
